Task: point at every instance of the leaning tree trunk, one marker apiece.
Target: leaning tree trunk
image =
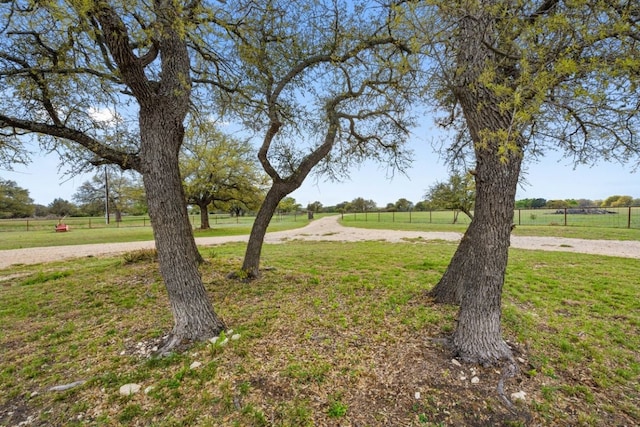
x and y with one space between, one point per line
178 256
251 263
475 276
484 250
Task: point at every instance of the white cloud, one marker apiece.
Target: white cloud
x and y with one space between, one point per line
104 115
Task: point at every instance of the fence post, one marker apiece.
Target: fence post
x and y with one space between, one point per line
519 219
430 219
365 216
378 216
565 217
629 218
409 216
393 216
27 225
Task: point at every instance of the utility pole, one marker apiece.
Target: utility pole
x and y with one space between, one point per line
106 196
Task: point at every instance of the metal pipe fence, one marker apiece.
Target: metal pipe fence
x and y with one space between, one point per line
619 217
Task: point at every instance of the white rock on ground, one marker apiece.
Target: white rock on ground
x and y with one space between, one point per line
520 395
129 389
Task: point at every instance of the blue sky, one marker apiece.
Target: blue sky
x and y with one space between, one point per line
550 178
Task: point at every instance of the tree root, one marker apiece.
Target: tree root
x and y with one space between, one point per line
172 345
509 370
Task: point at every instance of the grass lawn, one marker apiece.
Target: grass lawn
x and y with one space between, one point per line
77 236
335 334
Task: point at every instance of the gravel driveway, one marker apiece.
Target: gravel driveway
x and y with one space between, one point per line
325 229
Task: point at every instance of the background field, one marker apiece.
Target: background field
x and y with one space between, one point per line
23 233
131 230
626 217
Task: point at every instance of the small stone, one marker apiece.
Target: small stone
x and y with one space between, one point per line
224 341
123 352
229 332
462 378
475 380
34 394
148 389
520 395
64 387
129 389
214 340
235 337
455 362
195 365
520 359
417 395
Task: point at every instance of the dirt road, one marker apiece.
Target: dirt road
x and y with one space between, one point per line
325 229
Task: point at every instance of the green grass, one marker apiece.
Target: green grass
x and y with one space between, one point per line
43 237
334 334
578 232
617 218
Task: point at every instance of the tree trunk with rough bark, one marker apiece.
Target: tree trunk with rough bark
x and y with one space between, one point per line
251 263
204 216
475 276
163 107
178 256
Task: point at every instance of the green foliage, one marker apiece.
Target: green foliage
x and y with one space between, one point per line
458 193
617 201
288 205
220 171
14 201
545 67
126 194
62 208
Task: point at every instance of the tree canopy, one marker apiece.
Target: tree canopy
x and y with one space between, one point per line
219 171
14 200
457 193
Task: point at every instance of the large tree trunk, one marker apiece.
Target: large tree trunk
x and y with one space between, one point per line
178 256
204 216
475 276
482 257
251 263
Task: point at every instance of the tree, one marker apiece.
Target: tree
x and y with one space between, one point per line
219 171
458 193
327 83
62 208
314 207
531 203
557 204
422 206
514 76
14 201
617 201
403 205
288 205
125 194
63 63
359 204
